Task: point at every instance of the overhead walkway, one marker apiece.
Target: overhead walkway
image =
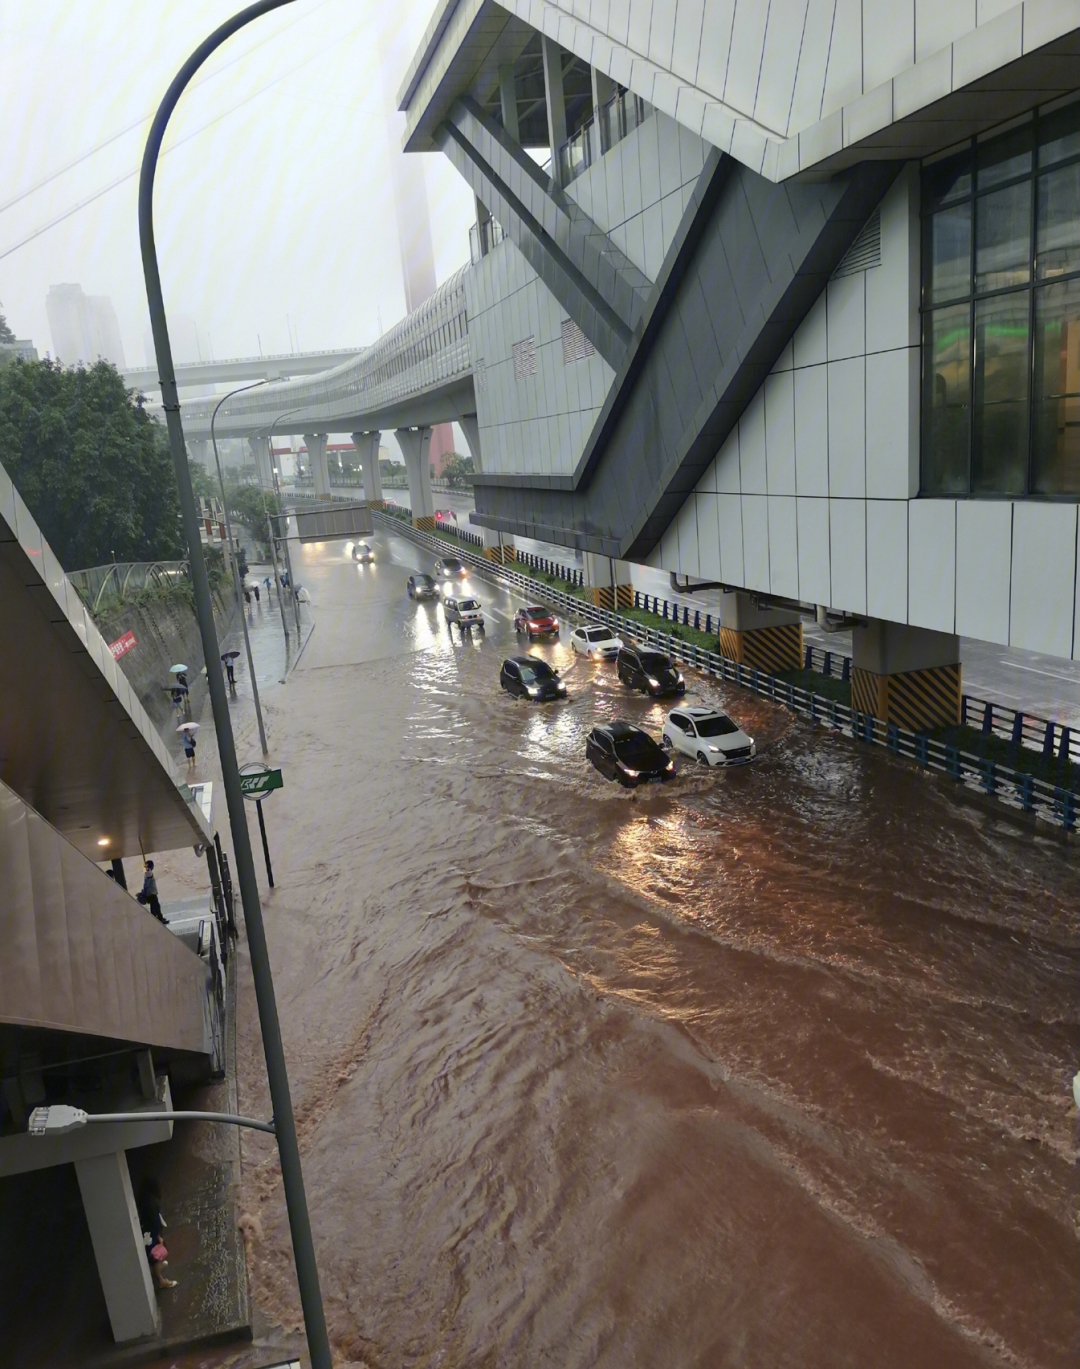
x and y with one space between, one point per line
236 370
417 374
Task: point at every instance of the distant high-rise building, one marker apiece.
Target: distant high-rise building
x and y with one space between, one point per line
84 327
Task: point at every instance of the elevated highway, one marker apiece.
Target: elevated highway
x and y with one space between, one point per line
236 370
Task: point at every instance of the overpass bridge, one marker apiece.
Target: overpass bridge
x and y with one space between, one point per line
415 376
236 370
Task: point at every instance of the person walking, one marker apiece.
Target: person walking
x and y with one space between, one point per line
255 589
153 1226
230 673
266 582
148 894
247 595
189 748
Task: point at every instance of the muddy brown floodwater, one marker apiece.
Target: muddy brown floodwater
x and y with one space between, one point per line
770 1068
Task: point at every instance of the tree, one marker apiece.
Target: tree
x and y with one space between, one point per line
6 335
456 470
92 465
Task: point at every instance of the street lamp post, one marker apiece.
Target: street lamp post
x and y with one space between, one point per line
277 491
292 1177
236 568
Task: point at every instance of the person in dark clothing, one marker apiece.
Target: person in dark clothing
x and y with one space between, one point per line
247 595
189 747
230 673
148 894
255 589
153 1225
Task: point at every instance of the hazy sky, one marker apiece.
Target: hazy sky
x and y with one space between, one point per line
281 210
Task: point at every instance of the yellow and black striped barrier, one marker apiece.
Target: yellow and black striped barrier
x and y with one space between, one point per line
505 555
774 649
917 699
424 524
603 596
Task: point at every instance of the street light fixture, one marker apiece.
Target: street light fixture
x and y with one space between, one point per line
60 1118
232 558
292 1175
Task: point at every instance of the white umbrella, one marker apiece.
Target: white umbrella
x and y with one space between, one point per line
177 669
188 727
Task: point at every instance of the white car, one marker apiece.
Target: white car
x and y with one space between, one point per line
707 735
593 641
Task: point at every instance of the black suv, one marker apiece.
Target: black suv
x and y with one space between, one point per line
528 677
650 671
625 753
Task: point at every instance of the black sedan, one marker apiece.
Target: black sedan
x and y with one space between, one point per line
650 671
420 586
527 677
628 755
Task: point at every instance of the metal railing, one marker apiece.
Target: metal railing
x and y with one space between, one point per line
119 579
599 133
483 237
1023 792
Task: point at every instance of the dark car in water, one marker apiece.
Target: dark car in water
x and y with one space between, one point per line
626 754
420 586
362 552
528 677
650 671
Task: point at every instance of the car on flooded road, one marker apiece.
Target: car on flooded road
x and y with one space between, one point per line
362 552
420 586
450 568
711 737
626 754
466 612
596 642
536 621
528 677
649 671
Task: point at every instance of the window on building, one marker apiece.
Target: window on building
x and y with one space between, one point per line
575 345
1001 311
525 358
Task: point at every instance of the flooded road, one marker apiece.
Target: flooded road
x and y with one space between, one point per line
769 1068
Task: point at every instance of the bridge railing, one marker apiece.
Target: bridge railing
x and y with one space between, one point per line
100 584
1050 803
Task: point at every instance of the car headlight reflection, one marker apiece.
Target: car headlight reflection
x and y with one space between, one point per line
653 684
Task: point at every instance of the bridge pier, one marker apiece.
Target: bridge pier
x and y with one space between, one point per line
260 451
906 675
199 449
498 546
766 639
316 448
470 426
415 445
367 449
606 580
116 1235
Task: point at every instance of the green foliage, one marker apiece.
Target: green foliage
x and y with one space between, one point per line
457 469
6 335
203 484
92 465
251 505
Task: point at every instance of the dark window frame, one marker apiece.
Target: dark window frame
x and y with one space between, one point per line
972 298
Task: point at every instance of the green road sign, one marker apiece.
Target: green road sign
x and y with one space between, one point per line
258 782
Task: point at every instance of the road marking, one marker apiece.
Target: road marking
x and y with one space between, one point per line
1054 675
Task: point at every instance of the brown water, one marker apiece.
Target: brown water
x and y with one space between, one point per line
770 1068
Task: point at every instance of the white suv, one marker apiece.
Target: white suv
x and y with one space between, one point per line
708 735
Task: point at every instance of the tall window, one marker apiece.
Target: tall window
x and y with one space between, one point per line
1001 312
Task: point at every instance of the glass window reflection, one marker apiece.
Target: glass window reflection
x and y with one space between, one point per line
947 400
1058 248
950 250
1000 445
1056 397
1003 238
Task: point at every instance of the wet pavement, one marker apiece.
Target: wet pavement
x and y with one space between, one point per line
768 1068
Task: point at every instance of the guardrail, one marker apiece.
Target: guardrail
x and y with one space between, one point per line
1019 791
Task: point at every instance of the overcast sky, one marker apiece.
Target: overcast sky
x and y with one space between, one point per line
280 211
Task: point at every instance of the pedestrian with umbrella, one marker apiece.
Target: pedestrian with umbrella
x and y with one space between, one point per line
227 659
188 731
178 690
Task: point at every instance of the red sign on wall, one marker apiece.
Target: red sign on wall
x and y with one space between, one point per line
122 645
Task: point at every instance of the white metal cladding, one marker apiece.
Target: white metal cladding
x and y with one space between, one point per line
426 349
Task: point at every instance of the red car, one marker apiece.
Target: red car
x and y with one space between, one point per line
537 622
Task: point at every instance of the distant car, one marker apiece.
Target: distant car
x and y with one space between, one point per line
420 586
593 640
528 677
467 613
450 568
711 737
537 621
650 671
626 754
362 552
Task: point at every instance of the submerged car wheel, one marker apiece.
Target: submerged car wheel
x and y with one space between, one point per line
665 742
702 759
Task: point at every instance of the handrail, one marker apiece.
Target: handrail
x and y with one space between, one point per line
1017 790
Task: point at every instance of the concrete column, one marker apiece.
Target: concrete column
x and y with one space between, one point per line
116 1234
498 546
603 88
608 580
199 449
415 446
555 98
766 639
508 100
367 448
906 675
470 426
260 451
316 448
